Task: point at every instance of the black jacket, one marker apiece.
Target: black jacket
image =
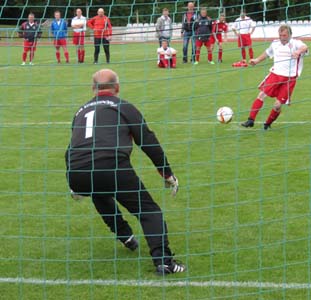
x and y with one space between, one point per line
188 26
203 28
104 129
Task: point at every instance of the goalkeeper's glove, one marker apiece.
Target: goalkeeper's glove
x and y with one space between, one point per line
76 196
172 182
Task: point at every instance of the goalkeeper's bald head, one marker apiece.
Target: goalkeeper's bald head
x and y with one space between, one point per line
106 80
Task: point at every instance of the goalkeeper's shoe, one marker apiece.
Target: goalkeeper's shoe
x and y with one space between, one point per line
248 123
131 243
173 267
266 126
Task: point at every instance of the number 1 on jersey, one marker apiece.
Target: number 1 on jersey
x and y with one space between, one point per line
89 124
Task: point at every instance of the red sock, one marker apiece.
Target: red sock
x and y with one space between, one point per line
197 54
257 105
58 56
82 55
173 61
66 56
220 54
209 55
272 117
79 55
243 53
251 53
24 56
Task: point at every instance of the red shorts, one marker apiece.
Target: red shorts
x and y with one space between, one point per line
200 43
60 42
218 36
78 38
29 46
279 87
244 40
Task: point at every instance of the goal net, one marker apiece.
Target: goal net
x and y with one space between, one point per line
241 220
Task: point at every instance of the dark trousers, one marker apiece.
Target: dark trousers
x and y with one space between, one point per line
187 37
109 185
101 41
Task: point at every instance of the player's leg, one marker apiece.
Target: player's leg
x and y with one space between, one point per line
173 61
25 50
57 53
198 45
32 52
285 90
220 51
132 194
81 45
65 50
106 50
97 42
186 39
209 52
162 61
109 211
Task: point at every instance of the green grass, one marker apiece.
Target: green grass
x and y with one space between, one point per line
243 209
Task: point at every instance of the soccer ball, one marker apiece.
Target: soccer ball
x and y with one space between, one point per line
224 114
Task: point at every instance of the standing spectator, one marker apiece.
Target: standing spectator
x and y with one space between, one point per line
164 28
30 31
166 56
102 28
203 31
187 31
219 27
100 167
288 55
78 24
59 31
243 28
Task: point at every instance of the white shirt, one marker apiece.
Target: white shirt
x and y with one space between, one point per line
244 26
76 21
167 52
284 64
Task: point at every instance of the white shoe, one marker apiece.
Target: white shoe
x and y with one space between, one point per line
31 63
23 63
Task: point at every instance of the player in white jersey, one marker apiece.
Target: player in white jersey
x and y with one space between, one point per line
243 28
166 56
287 54
78 24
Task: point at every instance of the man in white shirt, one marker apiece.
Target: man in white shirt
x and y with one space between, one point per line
166 56
164 28
78 24
288 56
243 28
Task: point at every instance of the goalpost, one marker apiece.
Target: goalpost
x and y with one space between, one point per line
241 220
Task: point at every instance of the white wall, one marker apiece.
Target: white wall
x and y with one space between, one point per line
146 32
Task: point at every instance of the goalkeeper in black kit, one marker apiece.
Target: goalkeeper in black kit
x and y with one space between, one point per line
98 165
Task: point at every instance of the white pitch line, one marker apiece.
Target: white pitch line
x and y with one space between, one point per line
168 122
158 283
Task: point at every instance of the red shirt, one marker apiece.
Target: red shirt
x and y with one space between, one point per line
101 26
220 27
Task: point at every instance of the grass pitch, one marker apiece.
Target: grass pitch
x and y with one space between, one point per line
243 210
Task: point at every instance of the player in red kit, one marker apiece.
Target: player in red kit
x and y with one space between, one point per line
30 31
166 56
78 23
219 27
288 56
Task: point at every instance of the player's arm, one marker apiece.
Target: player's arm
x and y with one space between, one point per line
259 59
302 50
253 27
21 31
90 23
109 28
148 142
